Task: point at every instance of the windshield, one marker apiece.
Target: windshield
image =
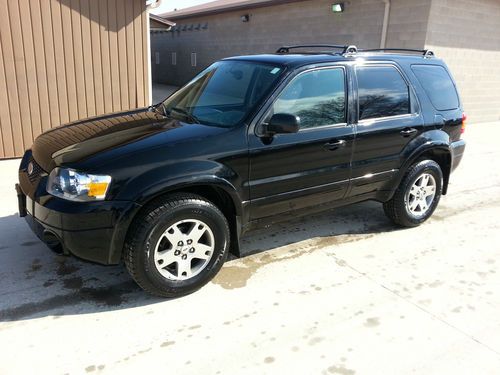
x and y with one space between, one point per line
223 94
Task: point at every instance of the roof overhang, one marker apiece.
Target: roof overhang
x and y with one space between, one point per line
159 23
217 7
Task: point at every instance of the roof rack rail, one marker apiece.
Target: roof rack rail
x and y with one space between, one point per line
352 49
424 52
345 49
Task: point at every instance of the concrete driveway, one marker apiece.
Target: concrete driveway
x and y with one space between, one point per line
343 292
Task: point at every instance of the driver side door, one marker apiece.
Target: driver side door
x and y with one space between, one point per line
290 172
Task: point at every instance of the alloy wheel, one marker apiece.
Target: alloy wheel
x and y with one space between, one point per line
184 249
421 195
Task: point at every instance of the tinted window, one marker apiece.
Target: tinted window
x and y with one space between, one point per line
438 85
224 93
230 87
317 97
382 92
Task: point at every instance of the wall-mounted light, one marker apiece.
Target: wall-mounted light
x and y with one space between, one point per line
338 7
245 18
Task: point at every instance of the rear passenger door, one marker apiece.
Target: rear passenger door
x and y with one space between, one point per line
388 118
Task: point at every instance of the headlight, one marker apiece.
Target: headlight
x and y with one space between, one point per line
77 186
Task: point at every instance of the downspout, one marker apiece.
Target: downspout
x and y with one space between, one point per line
385 23
150 5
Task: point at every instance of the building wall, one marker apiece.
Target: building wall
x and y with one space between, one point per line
466 34
408 23
63 60
216 36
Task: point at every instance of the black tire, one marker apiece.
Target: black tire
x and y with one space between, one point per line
396 208
149 226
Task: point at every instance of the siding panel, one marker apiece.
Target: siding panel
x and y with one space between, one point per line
50 63
139 66
129 32
62 92
104 47
41 68
30 65
69 59
96 56
87 57
10 80
122 54
146 59
63 60
7 139
113 55
19 79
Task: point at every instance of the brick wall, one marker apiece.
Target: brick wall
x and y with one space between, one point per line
466 34
269 28
408 23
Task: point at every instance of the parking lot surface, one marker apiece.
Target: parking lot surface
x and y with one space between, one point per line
342 292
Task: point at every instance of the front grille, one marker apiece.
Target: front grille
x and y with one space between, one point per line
37 171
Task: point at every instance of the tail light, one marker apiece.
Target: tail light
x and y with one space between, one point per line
464 122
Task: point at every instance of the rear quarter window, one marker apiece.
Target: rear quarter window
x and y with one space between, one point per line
438 85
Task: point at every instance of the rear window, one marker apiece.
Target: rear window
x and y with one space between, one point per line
438 85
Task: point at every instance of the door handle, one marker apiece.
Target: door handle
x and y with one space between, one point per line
333 145
408 131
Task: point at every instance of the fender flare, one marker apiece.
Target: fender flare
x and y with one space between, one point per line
416 153
173 185
189 182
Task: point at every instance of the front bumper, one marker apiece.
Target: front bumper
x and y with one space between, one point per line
457 152
94 231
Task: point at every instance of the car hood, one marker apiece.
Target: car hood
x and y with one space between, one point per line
111 136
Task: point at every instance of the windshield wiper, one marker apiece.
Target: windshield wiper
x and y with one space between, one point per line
155 108
189 116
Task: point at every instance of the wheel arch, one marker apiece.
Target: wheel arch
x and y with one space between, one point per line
438 152
221 193
442 156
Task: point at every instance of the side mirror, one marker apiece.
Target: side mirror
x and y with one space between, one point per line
281 123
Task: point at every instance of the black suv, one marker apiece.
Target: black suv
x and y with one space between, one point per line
250 140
